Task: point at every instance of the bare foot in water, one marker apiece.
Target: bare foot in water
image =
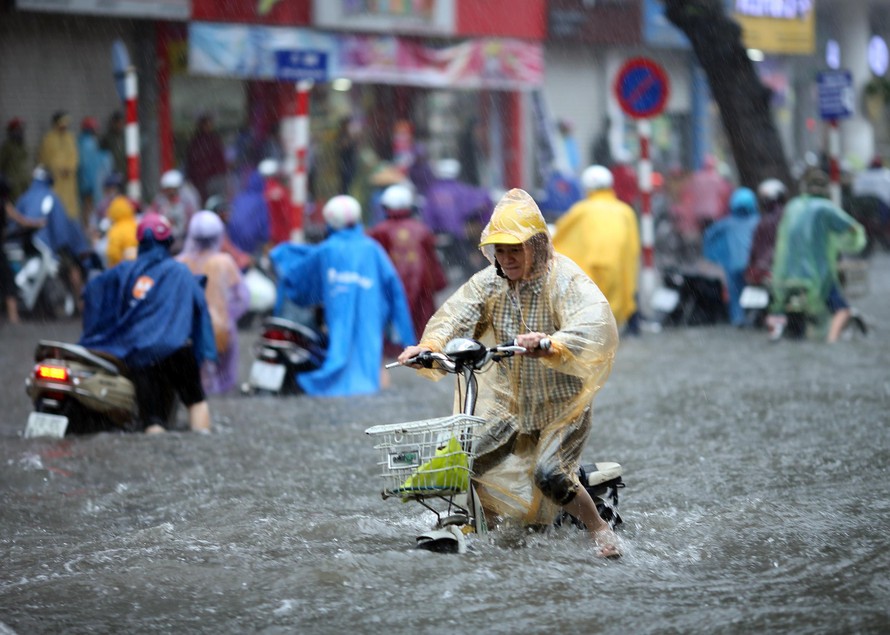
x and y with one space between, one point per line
607 544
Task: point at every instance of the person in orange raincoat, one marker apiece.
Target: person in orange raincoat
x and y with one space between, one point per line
601 235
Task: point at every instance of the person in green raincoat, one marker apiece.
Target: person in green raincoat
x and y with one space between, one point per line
539 404
811 235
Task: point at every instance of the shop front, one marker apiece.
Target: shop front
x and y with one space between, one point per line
387 82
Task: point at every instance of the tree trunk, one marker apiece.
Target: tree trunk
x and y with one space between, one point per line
743 100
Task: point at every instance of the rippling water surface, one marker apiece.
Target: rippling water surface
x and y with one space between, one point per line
757 499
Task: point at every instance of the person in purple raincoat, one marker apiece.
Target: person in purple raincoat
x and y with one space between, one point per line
458 210
226 293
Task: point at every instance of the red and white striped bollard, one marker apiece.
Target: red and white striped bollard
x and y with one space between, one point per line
299 181
648 276
131 136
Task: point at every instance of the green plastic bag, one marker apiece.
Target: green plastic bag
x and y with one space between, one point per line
447 470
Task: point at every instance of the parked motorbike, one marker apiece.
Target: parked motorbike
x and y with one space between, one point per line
283 350
40 277
79 391
755 300
689 298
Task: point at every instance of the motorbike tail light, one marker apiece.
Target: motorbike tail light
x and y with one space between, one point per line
53 373
278 335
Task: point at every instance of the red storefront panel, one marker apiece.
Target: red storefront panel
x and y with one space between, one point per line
502 18
278 12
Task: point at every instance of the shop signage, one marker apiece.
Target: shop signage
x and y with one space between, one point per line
399 16
782 27
601 22
836 99
296 65
161 9
251 52
642 88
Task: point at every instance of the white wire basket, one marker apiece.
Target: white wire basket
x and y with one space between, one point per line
426 458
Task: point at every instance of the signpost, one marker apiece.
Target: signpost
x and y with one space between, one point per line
304 67
642 89
297 65
836 101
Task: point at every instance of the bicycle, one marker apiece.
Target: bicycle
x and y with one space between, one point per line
430 461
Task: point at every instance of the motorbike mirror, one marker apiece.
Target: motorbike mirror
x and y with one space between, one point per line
47 205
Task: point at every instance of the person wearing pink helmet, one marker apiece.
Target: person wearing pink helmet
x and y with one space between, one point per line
151 314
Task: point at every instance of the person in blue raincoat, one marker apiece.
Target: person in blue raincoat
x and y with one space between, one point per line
728 243
60 233
351 276
151 314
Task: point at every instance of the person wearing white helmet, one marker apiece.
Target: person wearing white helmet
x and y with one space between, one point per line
601 235
172 203
281 212
412 247
771 196
458 211
352 278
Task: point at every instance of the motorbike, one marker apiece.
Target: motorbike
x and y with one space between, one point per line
689 298
75 390
798 323
430 461
40 277
284 349
755 300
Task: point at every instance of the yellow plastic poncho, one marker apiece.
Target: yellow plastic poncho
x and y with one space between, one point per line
58 152
539 409
122 241
601 235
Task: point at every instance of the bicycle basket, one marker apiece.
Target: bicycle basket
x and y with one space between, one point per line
431 457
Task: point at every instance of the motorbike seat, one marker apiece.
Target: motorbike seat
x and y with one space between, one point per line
76 352
294 327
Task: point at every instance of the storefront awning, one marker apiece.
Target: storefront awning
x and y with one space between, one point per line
287 54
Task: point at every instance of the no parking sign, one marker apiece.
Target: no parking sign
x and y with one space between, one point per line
642 88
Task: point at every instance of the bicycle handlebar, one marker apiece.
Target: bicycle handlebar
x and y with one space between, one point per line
496 353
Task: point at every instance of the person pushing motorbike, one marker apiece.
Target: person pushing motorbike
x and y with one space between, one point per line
151 313
539 404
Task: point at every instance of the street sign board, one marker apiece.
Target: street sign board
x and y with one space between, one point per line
295 65
836 98
642 87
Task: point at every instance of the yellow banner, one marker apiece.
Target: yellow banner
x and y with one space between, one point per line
787 35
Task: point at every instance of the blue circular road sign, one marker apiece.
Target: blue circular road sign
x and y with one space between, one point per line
642 87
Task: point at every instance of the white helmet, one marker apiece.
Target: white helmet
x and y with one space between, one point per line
268 167
342 211
771 190
447 168
397 197
171 180
597 177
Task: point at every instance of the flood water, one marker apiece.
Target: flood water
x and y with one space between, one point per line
757 499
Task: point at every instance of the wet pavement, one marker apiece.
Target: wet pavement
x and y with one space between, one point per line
757 499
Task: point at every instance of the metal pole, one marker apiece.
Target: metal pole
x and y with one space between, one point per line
299 185
834 164
131 136
647 226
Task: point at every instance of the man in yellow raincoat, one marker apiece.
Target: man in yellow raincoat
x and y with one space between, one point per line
539 404
601 235
58 153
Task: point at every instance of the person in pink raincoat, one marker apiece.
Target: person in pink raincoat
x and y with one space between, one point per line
226 293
